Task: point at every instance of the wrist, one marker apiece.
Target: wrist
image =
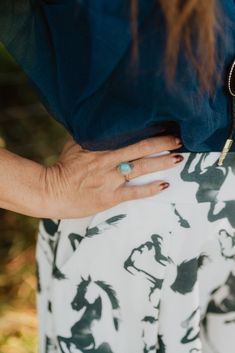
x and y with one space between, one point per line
51 199
21 185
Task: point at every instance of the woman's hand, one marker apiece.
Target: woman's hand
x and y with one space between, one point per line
85 182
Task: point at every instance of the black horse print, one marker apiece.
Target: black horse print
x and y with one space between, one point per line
98 305
148 346
231 321
203 259
226 237
182 221
222 302
161 345
52 239
51 232
148 349
209 178
154 246
222 210
186 276
50 226
227 244
50 347
56 273
150 319
192 327
49 306
75 239
223 298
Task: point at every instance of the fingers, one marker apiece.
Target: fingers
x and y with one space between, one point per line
134 192
143 148
153 164
148 165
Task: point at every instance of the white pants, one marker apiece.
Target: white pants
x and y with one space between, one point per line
156 275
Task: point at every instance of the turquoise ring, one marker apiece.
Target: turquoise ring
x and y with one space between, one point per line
125 168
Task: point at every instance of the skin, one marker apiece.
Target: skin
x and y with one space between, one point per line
82 182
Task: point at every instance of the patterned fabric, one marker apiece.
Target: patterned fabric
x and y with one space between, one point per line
155 275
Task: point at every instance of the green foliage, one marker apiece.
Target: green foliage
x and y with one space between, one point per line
26 129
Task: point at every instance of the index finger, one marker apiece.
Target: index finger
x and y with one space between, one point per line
143 148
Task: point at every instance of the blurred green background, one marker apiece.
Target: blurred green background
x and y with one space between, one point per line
28 130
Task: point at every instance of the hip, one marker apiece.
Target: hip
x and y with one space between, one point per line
196 179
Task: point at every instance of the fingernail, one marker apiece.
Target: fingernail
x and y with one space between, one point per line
164 186
178 141
178 158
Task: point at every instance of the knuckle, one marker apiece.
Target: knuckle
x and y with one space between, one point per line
130 193
108 159
96 163
175 141
155 188
152 189
140 166
135 193
169 140
168 161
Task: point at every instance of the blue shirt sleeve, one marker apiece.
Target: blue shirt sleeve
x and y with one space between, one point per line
29 30
67 48
77 54
61 46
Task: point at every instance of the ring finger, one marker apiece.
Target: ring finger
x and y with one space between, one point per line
147 165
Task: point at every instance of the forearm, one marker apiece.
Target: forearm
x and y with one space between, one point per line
82 182
22 185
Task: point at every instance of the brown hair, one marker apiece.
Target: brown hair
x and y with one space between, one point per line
183 20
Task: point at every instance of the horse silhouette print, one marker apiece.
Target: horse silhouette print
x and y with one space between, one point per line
98 303
192 327
222 303
153 250
222 210
49 241
227 243
209 177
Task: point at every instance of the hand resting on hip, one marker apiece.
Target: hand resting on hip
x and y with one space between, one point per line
84 182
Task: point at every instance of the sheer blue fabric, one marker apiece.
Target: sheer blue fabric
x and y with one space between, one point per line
77 55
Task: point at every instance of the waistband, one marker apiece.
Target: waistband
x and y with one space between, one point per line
198 178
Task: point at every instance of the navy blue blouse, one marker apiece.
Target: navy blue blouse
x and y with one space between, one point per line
77 54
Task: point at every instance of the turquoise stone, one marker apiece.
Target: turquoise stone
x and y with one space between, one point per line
125 168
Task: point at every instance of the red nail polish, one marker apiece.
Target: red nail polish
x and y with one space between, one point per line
178 158
164 186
